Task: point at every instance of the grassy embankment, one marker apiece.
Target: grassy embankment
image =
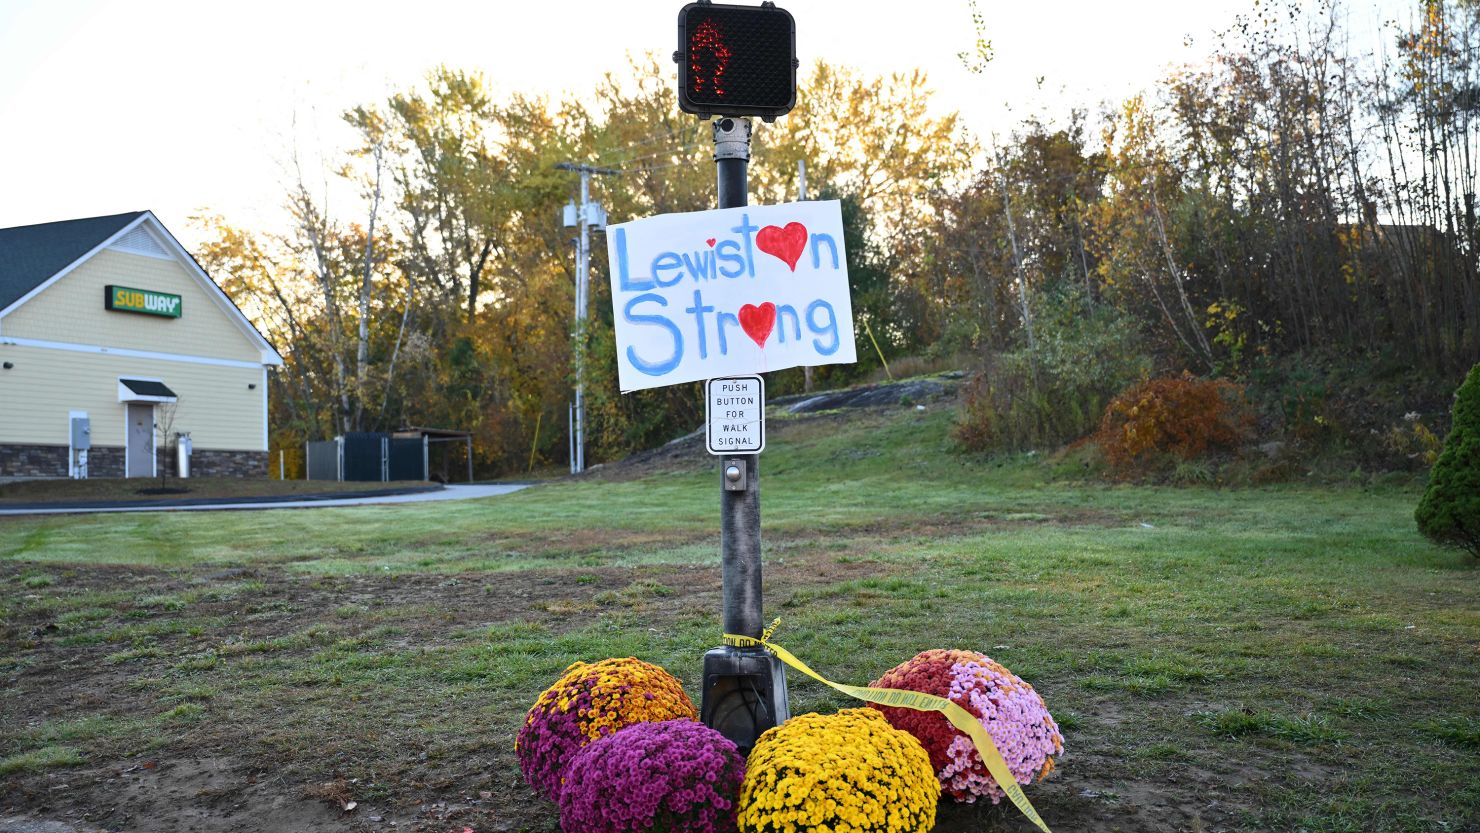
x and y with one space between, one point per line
1277 658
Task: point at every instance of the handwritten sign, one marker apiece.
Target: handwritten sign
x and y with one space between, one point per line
735 415
730 292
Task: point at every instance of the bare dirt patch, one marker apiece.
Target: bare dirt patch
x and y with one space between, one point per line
145 490
244 771
179 795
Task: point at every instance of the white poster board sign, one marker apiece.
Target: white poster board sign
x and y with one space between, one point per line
735 415
730 292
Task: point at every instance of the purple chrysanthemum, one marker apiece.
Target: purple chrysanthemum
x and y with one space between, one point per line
589 702
677 775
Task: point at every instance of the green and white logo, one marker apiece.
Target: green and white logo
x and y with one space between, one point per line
128 299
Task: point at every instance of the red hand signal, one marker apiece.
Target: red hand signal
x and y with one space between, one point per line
708 39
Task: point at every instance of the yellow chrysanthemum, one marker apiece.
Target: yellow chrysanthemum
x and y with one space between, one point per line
846 771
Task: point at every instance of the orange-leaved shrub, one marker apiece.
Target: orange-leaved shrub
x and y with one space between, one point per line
1177 417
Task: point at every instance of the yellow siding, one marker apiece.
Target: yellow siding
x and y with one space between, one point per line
71 310
216 406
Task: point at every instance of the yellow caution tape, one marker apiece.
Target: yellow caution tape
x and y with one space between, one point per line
959 717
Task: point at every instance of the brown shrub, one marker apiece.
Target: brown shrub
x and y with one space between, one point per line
1179 417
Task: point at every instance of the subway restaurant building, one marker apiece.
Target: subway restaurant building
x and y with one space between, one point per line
113 342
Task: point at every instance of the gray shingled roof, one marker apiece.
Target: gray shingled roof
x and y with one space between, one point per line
31 254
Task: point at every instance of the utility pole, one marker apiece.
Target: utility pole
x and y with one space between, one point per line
587 215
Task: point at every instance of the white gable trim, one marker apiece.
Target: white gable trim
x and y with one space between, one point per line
122 351
270 355
42 287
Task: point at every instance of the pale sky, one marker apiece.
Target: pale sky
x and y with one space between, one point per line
109 106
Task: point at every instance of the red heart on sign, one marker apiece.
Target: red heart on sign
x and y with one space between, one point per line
784 243
757 322
710 241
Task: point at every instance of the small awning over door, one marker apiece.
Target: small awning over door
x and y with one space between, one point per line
144 390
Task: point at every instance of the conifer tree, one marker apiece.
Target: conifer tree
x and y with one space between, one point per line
1450 510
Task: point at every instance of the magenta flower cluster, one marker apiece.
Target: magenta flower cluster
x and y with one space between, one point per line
546 746
677 775
593 701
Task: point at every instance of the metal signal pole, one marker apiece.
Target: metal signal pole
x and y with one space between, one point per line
588 214
740 509
744 689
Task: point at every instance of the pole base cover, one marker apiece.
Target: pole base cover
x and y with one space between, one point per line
744 694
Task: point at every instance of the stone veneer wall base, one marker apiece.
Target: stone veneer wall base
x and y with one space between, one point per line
33 461
212 463
107 461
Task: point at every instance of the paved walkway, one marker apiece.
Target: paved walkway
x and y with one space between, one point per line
463 492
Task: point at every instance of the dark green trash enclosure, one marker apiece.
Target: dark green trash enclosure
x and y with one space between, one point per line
379 456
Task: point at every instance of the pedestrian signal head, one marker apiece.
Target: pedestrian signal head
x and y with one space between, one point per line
736 60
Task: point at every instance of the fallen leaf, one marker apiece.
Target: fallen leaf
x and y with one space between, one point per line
350 805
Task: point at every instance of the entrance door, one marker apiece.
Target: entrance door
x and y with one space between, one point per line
140 454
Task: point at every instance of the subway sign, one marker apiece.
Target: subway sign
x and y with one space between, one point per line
148 302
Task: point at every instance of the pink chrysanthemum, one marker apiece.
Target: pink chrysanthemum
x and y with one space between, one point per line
1008 708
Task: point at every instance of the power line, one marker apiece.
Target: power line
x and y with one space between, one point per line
645 169
654 137
686 134
683 149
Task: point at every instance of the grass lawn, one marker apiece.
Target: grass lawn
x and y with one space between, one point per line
121 490
1282 658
